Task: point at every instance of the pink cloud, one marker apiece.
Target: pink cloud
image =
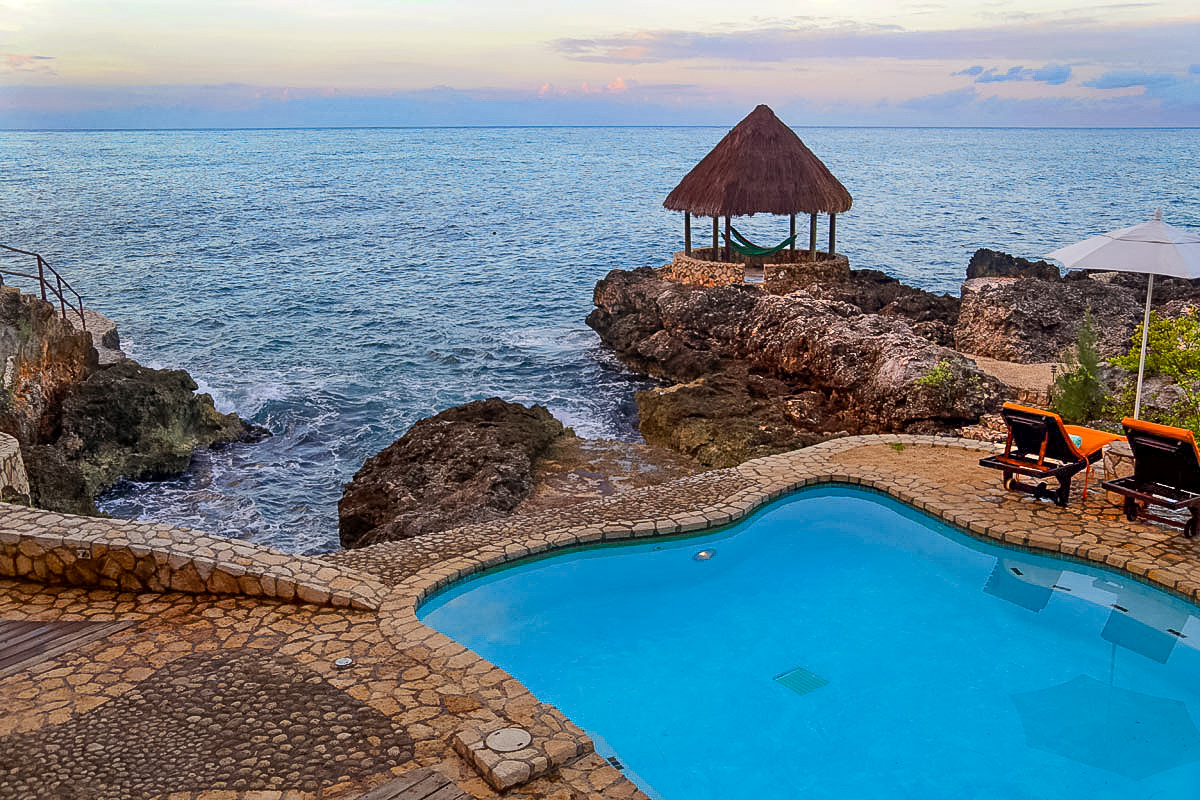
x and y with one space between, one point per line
618 85
24 62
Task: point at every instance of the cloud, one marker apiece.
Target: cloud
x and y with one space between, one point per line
1128 80
23 62
1166 92
244 106
1013 74
969 71
1052 74
1072 39
616 86
1194 69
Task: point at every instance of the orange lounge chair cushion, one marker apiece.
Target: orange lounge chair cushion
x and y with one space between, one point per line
1091 439
1165 431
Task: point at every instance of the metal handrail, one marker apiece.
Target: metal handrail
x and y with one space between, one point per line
56 288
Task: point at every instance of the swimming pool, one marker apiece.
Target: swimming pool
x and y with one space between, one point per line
838 644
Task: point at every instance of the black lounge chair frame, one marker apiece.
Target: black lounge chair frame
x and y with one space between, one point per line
1166 473
1037 447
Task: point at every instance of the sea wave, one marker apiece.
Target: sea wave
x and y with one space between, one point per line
335 286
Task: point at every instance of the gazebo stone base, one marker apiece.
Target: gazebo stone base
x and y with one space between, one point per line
787 278
780 276
698 272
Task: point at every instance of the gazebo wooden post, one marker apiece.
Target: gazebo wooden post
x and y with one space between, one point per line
716 253
832 234
792 233
687 233
812 236
728 251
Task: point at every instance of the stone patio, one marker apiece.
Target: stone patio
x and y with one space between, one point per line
229 696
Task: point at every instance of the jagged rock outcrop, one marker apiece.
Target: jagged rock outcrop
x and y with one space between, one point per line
134 422
992 264
469 463
755 364
1030 320
1018 310
82 426
43 358
723 419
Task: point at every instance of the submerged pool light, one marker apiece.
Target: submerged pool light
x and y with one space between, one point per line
704 555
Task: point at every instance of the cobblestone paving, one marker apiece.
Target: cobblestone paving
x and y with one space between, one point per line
411 689
237 719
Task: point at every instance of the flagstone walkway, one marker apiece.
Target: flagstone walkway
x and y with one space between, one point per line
235 697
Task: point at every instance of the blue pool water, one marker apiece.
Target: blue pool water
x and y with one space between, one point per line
337 285
840 645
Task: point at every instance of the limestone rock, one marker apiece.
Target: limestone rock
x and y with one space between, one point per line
42 358
141 423
875 292
721 420
764 372
470 463
992 264
575 470
1030 320
81 427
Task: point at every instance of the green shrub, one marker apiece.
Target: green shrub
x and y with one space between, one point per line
947 385
1173 351
1077 394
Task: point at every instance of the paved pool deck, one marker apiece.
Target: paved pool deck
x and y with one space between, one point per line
227 691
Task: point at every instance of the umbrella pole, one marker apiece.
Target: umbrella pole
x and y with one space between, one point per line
1137 401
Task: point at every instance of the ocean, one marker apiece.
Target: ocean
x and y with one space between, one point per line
336 285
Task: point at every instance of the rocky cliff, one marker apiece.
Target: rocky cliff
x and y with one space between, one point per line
1030 316
82 426
757 372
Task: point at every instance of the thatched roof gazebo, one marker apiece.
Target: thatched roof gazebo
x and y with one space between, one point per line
761 166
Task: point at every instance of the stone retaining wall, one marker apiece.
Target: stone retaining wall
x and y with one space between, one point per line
784 278
143 557
694 271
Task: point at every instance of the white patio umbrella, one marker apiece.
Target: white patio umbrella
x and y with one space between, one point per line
1154 248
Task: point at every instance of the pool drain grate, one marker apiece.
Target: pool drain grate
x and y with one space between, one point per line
801 681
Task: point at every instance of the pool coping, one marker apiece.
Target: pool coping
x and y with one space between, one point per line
790 472
449 698
1016 521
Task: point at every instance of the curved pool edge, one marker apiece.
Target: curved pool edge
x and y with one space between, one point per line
974 504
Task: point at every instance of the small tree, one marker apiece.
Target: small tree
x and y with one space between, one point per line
1077 394
1173 350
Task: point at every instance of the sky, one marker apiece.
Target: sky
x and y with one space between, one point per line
284 63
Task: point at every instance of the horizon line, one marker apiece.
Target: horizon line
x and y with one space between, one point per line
526 127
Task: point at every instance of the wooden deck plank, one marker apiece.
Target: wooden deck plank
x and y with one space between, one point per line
33 636
13 633
425 783
24 643
33 639
448 792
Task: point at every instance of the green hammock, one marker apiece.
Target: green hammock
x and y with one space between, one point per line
748 248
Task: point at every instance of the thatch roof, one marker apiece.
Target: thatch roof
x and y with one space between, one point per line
761 166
